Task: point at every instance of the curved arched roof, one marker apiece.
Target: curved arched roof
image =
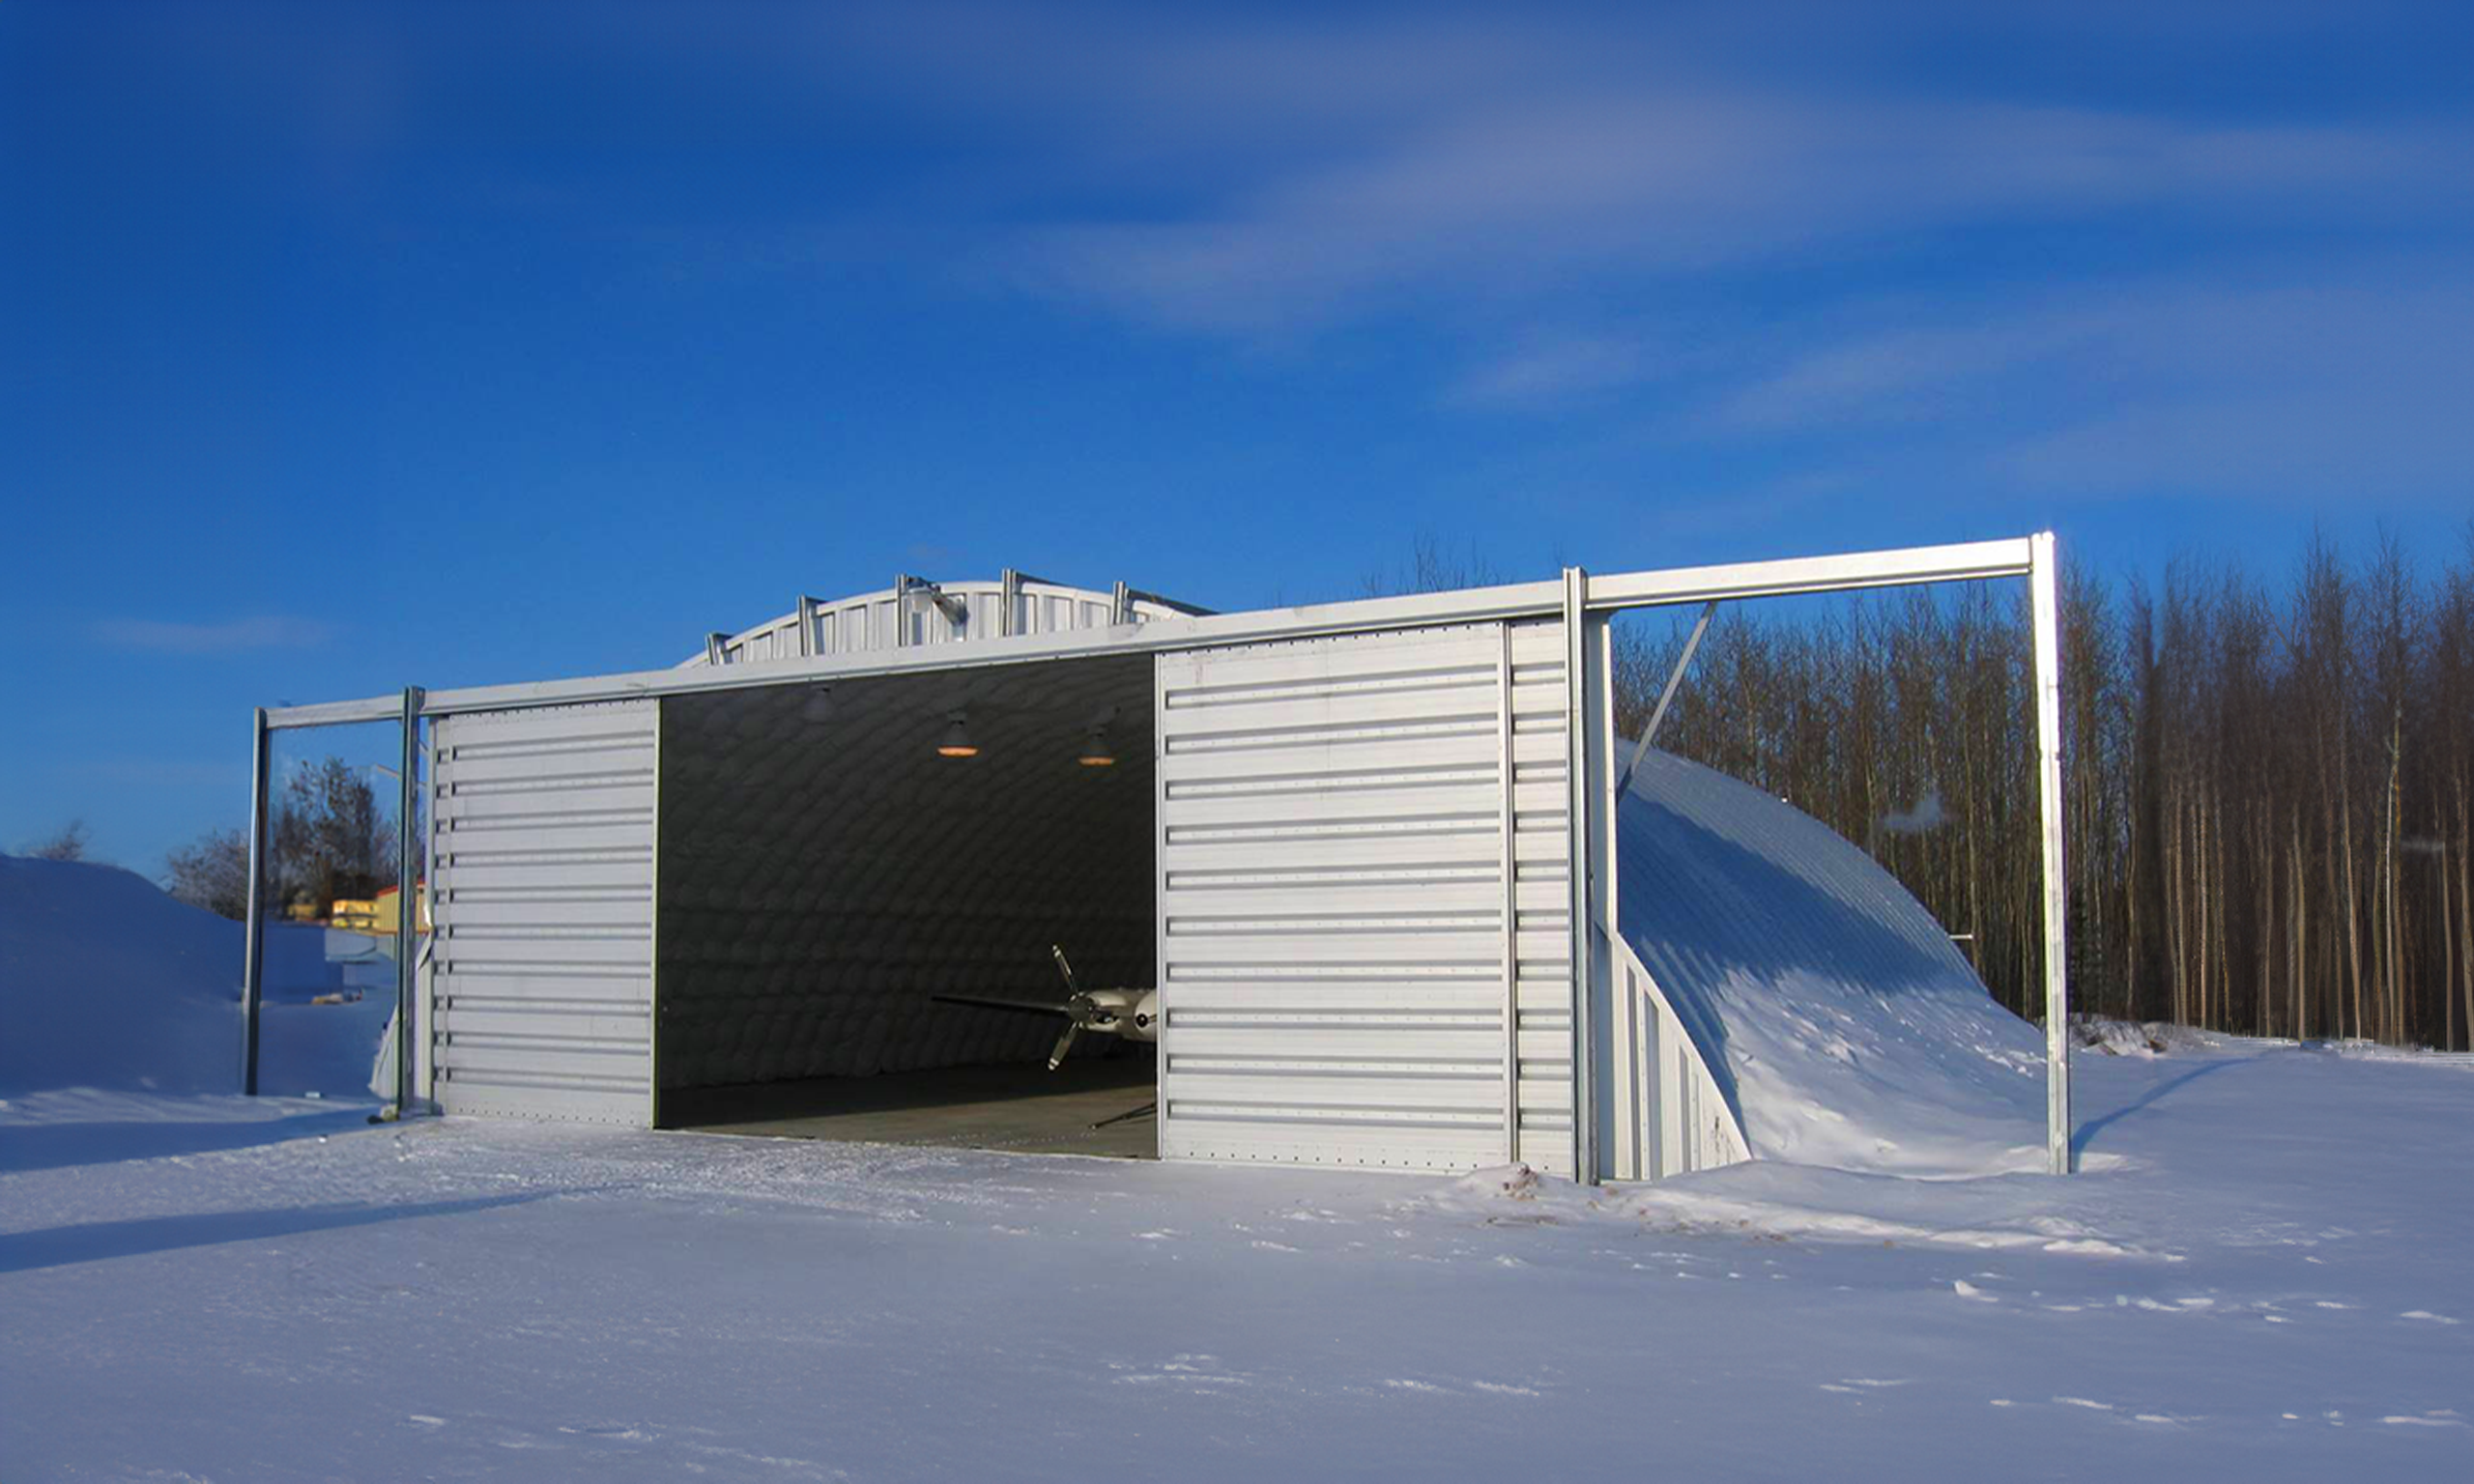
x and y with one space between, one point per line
916 611
1831 1009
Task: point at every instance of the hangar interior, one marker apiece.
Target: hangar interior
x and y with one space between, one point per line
835 857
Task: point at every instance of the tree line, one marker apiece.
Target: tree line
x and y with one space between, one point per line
2268 785
328 837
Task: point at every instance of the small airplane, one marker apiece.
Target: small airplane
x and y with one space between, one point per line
1132 1014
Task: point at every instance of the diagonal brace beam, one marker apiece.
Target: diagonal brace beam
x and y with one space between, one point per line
1666 696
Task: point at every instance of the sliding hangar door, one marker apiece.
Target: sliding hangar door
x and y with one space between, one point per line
1344 862
1366 899
539 985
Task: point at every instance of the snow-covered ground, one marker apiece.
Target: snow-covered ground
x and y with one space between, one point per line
2261 1276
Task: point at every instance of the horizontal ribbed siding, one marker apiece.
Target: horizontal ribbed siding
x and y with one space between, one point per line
1336 971
1542 873
541 975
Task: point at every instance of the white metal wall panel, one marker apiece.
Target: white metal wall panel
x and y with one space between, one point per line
1352 903
542 869
1542 873
1667 1115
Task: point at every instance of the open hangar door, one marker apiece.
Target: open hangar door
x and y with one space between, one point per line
843 861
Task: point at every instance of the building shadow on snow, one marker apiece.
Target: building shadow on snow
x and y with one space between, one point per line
2086 1135
64 1145
96 1241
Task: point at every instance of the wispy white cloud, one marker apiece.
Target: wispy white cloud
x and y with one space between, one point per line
273 631
1544 200
1690 220
2257 391
1551 370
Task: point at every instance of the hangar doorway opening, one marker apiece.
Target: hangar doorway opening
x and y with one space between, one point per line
862 885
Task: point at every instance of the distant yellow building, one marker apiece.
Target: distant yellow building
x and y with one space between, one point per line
355 915
385 906
376 915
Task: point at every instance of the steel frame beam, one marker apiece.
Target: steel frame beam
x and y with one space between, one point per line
253 933
1577 716
2044 599
408 882
1666 696
1471 605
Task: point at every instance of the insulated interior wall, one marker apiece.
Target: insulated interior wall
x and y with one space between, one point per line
1364 900
826 874
540 981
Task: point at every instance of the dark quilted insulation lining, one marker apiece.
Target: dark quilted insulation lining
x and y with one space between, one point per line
823 871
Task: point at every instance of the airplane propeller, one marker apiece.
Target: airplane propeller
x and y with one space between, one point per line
1132 1014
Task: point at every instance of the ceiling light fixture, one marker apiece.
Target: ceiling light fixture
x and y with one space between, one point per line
1096 753
818 706
957 742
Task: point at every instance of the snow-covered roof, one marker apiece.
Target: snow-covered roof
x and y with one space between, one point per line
1832 1010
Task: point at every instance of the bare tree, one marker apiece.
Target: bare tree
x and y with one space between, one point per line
328 837
68 843
1430 568
2270 793
211 873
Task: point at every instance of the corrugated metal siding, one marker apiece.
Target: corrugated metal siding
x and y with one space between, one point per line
1542 843
1671 1117
1338 856
542 975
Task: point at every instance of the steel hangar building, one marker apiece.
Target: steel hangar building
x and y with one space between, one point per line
1369 884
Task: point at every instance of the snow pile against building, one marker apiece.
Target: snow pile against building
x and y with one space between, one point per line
1832 1010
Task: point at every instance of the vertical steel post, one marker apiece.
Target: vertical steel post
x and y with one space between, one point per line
2045 601
408 889
1577 801
253 933
1506 768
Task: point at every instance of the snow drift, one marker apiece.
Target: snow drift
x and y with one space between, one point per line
1832 1010
107 982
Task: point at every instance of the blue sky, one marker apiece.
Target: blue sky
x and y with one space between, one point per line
345 347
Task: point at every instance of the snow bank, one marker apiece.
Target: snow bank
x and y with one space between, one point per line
2109 1036
1778 1201
107 982
1918 1079
1831 1009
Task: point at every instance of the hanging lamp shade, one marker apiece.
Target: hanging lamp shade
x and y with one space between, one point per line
1096 752
957 742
